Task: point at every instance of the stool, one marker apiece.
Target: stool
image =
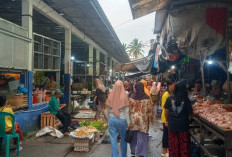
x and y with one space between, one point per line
48 119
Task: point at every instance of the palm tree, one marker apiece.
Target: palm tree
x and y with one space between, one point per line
125 47
135 49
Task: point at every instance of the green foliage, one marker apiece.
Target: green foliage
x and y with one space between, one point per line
135 48
125 47
38 78
98 124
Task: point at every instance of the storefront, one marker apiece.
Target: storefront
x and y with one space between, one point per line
37 48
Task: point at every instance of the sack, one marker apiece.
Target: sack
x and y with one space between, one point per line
129 136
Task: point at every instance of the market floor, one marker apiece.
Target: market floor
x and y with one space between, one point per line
48 146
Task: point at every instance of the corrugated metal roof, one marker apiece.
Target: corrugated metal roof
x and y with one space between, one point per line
88 16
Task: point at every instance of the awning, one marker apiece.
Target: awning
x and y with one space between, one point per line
141 8
143 65
199 30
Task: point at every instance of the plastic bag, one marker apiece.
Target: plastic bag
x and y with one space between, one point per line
22 89
230 67
76 105
85 104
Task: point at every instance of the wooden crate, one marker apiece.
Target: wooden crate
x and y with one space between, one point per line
48 119
82 145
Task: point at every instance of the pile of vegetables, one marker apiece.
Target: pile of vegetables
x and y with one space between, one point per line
98 124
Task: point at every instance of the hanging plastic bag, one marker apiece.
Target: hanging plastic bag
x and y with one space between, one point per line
230 64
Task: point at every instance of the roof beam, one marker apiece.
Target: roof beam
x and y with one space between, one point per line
140 3
50 13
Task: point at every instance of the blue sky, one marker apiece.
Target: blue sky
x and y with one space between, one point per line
120 17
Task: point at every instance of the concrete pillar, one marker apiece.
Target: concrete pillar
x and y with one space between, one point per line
106 64
67 66
90 60
67 57
97 62
111 68
27 14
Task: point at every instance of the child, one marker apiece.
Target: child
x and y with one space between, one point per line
8 121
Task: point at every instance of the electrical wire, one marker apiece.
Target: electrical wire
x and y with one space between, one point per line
123 23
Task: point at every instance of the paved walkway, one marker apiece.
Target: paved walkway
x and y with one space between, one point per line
48 146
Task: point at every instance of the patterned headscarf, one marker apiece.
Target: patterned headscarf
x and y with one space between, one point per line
139 93
146 90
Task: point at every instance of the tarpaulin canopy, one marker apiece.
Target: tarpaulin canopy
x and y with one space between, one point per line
198 29
143 65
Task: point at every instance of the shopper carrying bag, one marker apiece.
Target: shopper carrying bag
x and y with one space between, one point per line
119 120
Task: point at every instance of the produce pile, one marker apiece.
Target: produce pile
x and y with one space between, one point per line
85 132
215 113
81 133
98 124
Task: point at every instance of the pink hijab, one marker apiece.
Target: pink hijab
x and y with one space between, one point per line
155 88
118 98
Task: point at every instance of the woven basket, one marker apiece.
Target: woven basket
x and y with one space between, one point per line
82 145
17 101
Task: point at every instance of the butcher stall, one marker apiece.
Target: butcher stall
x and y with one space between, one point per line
211 128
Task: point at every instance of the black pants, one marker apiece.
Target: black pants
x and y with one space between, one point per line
165 136
1 139
65 119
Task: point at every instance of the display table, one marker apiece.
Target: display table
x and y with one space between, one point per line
85 115
208 132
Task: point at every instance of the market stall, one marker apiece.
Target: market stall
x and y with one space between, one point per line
47 60
12 85
87 134
212 128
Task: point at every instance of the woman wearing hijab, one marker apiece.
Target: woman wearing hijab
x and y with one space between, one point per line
141 116
170 89
146 90
155 95
177 112
100 99
149 84
126 85
118 111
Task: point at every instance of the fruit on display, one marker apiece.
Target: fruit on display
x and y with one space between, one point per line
91 129
98 124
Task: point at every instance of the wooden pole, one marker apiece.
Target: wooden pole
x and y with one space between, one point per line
202 62
228 57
